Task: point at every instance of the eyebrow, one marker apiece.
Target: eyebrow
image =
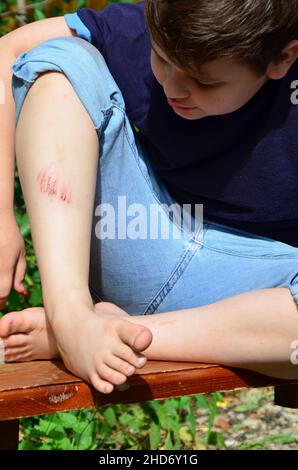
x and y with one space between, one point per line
202 77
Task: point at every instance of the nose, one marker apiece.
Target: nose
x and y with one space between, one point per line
175 84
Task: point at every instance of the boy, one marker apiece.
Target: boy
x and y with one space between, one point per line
217 126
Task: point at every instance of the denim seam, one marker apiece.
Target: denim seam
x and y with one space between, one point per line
172 279
19 76
241 255
38 61
147 179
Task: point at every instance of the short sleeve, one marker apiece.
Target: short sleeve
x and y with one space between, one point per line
74 22
119 33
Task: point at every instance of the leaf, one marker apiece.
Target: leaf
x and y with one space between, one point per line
110 416
36 277
154 436
184 402
68 420
38 14
201 402
191 419
27 444
149 410
220 441
168 442
63 444
185 435
250 405
80 4
35 296
85 442
24 225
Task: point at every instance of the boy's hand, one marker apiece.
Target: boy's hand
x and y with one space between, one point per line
12 256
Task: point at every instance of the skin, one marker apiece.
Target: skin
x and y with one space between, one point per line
223 87
50 183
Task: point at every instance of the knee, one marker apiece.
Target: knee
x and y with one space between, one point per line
48 81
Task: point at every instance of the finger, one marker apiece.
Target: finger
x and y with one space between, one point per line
5 288
20 273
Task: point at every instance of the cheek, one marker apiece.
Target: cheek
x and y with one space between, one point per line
223 100
157 70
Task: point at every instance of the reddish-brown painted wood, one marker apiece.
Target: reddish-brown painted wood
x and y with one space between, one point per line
40 387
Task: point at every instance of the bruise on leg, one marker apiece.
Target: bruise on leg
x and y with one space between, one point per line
50 183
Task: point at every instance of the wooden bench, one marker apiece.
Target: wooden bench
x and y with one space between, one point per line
42 387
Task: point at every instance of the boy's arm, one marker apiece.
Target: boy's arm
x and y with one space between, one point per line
12 248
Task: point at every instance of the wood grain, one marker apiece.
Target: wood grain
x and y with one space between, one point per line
41 387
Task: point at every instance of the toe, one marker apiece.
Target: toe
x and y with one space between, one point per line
125 353
111 375
137 337
15 322
17 355
8 324
121 366
101 385
14 341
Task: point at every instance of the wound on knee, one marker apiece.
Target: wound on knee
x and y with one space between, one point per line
49 183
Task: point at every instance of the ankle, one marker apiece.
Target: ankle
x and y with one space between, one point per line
59 311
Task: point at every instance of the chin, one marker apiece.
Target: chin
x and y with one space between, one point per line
195 117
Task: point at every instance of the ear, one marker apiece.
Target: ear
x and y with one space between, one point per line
279 69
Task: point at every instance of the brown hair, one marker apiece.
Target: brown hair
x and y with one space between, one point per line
194 32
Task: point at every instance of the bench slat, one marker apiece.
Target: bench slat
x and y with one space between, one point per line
41 387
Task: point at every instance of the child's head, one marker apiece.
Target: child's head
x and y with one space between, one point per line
215 55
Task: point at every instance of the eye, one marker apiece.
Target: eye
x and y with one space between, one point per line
204 85
207 85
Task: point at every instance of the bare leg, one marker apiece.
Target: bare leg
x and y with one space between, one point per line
254 331
57 152
251 331
27 335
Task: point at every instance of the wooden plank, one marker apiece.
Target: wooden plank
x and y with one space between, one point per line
41 387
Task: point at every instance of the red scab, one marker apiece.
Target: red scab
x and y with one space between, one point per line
65 194
51 186
47 182
41 178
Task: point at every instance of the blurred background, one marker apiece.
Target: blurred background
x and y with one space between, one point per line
15 13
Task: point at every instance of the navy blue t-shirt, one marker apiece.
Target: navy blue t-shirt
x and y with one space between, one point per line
242 166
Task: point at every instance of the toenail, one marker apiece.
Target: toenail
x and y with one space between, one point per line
2 352
140 361
130 370
107 390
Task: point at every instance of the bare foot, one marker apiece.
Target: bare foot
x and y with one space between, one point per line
27 335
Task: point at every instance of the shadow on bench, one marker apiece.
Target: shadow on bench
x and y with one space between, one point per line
42 387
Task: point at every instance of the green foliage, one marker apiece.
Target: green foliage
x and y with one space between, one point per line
11 20
166 425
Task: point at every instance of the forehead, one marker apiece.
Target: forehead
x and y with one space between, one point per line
222 69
